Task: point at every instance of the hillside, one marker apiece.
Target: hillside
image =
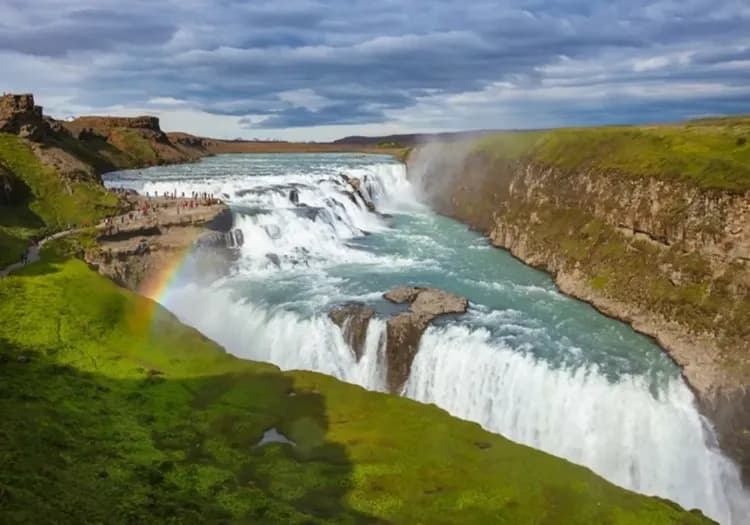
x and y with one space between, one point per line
650 224
127 416
50 170
37 199
216 146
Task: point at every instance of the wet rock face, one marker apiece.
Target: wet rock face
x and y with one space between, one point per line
217 239
294 196
729 411
353 319
404 333
354 182
308 212
406 329
274 259
356 185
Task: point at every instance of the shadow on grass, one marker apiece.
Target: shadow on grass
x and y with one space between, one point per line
42 267
20 217
15 199
81 447
93 150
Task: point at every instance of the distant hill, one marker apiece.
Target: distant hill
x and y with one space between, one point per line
414 139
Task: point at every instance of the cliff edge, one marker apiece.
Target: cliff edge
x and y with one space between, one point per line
651 225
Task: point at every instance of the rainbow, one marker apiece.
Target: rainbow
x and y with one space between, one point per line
145 316
156 285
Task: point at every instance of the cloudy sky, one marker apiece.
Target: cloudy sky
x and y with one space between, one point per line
317 70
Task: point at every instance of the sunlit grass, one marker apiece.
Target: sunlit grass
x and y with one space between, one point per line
712 154
123 415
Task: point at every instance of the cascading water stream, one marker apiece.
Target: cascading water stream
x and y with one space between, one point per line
526 362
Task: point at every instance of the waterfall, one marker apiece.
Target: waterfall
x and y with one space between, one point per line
653 445
311 241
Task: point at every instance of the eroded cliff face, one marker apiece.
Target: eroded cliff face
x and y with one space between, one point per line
139 249
83 149
141 139
669 258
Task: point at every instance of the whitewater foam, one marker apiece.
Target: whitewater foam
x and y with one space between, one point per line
652 445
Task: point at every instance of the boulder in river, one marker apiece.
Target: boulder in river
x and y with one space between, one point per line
275 260
272 230
216 239
354 182
236 238
403 294
294 196
353 319
308 212
356 185
406 329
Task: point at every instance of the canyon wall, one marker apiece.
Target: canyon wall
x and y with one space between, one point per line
666 255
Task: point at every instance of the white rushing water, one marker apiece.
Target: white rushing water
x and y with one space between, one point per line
525 361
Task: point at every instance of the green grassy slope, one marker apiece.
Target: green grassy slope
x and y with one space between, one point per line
123 415
52 204
139 150
710 153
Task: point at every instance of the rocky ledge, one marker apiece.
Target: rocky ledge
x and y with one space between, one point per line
136 248
404 330
353 319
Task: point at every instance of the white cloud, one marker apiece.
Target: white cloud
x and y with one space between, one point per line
304 98
167 101
648 64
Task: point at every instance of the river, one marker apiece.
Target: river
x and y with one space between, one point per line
525 361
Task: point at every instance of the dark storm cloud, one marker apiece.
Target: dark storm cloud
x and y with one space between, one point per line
306 63
85 30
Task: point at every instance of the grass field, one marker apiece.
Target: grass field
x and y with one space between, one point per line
710 153
113 412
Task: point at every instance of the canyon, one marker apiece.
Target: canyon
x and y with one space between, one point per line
667 255
662 253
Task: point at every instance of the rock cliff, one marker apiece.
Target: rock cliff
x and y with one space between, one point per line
19 115
665 254
141 139
86 147
353 319
136 248
405 330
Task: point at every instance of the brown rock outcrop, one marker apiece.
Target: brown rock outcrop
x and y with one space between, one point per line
405 330
103 125
19 115
135 248
403 294
353 319
356 185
